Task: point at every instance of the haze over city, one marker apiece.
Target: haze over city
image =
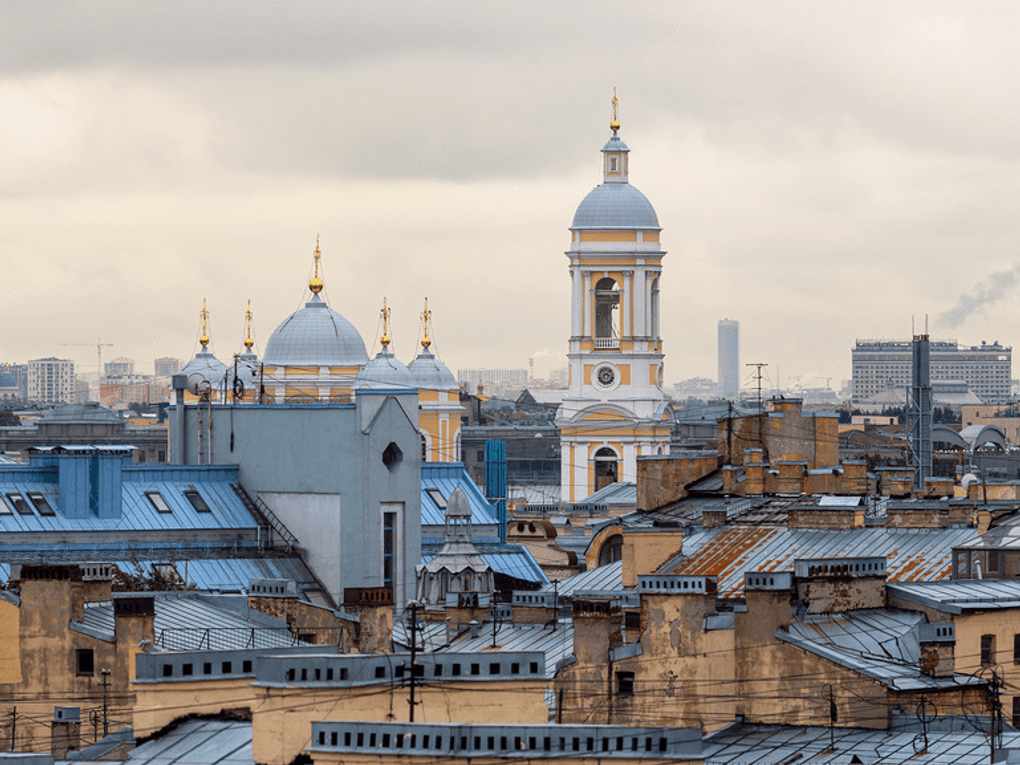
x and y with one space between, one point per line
821 172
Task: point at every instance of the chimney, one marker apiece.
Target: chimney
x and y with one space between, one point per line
837 585
938 649
65 731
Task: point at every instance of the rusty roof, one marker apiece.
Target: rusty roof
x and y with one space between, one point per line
728 551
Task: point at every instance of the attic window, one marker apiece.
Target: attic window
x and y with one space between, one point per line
437 497
392 456
196 501
157 501
18 503
40 503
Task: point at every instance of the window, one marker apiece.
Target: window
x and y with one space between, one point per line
84 662
632 620
389 547
987 649
157 501
40 503
1016 649
196 501
392 456
18 503
437 497
1016 711
161 456
624 683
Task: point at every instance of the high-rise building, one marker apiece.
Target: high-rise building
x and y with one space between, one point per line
729 358
13 381
167 366
51 381
119 367
877 365
615 410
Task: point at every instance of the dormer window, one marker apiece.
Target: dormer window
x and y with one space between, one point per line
614 164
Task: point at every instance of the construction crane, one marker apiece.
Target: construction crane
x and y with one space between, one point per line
99 344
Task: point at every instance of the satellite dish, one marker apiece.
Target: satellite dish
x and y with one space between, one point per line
194 380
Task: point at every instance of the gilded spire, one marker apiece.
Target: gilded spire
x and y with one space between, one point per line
248 342
315 285
385 340
426 317
204 339
614 125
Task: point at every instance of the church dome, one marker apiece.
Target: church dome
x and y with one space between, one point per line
315 335
432 374
207 366
615 206
385 371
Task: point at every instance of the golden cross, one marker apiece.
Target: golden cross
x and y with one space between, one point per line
385 324
615 102
426 317
318 254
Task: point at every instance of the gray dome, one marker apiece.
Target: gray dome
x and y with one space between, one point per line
615 205
432 374
316 335
385 371
207 365
91 412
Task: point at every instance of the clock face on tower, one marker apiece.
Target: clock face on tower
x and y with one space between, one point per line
606 376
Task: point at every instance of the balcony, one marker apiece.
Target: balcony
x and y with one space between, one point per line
607 343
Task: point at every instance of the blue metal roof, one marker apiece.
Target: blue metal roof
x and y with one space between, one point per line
512 560
199 742
444 477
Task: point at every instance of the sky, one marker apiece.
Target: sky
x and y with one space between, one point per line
822 172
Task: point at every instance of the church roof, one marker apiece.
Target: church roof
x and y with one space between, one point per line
385 371
316 335
615 206
432 374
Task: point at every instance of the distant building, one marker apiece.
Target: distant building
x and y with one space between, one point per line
13 381
880 364
702 388
486 376
167 366
132 389
51 381
120 367
729 358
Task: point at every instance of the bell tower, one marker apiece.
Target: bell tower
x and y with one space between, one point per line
616 410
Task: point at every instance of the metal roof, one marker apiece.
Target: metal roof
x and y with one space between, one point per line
619 493
959 595
512 560
746 744
444 477
880 643
608 578
729 551
555 641
315 335
615 205
199 742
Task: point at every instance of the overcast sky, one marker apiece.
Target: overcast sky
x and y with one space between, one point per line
822 172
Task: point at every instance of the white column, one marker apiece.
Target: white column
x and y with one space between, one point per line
626 330
586 314
577 309
640 304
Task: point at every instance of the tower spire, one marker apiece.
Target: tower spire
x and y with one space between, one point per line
315 285
204 339
248 342
426 317
614 125
385 312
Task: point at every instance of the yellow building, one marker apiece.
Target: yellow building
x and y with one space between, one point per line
616 410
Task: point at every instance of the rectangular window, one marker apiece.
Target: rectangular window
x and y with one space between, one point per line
624 683
1016 649
1016 711
157 501
84 662
987 649
18 503
196 501
40 503
389 547
437 497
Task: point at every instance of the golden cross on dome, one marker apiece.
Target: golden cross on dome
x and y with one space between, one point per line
315 285
248 342
615 125
385 339
426 317
204 339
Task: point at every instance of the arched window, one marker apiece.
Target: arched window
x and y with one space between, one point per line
655 307
607 300
611 550
607 468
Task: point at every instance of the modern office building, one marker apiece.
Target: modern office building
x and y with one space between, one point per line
51 381
729 358
167 366
881 364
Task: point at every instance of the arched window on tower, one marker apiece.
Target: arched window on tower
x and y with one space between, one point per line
607 469
655 307
607 301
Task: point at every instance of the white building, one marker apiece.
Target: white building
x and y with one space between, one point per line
51 381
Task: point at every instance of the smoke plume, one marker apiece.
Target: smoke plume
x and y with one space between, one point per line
986 293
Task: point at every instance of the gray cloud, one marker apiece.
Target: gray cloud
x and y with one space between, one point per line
986 294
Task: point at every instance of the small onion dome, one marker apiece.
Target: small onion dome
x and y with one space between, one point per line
207 366
316 335
430 373
384 371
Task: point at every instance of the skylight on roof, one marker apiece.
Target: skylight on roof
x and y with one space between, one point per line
41 504
18 503
157 501
437 497
196 501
